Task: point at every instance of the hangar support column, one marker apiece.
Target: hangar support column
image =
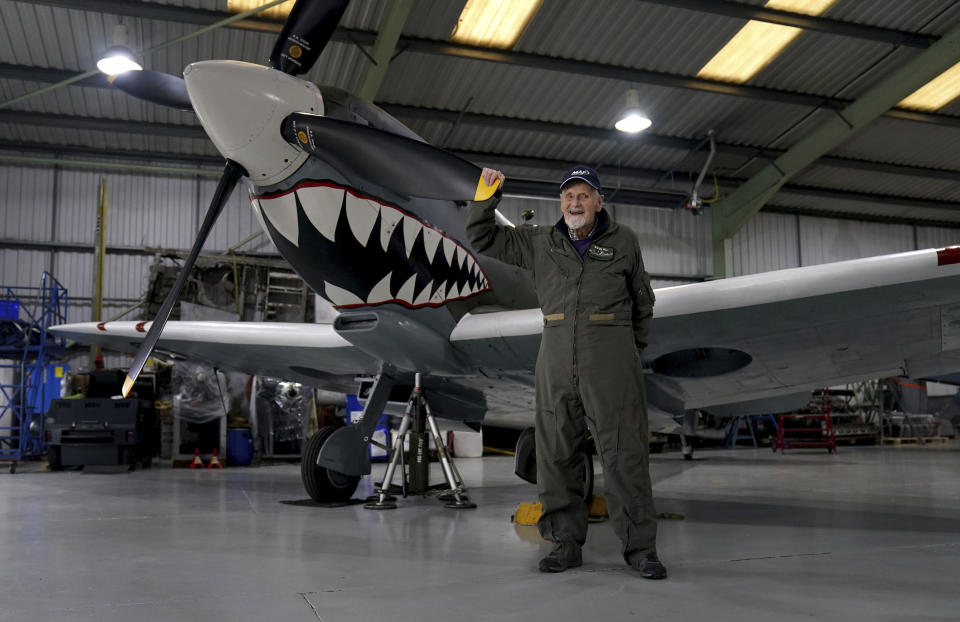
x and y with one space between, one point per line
383 48
732 212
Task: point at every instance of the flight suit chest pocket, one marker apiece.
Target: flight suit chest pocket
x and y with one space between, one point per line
611 274
559 261
606 293
555 273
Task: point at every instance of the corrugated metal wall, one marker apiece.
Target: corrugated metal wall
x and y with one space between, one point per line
932 237
824 240
44 205
767 242
776 241
674 243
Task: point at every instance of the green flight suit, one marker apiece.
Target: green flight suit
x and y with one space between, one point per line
597 313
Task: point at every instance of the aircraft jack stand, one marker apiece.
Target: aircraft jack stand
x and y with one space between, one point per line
416 415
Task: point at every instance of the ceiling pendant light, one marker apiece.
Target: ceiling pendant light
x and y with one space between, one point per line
632 119
118 58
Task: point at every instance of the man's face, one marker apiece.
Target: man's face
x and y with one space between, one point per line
580 203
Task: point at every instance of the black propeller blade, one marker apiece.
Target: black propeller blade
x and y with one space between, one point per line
305 34
231 175
402 164
154 86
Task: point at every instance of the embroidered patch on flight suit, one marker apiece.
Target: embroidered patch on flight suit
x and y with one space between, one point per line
603 253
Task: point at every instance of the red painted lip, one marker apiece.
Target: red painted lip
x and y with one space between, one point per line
948 256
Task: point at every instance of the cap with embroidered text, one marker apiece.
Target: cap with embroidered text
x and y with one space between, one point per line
583 173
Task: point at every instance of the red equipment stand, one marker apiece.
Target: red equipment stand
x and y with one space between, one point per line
816 430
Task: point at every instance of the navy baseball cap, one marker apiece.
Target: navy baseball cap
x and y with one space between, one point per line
583 173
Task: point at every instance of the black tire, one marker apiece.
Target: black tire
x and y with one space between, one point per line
324 485
53 458
586 470
525 466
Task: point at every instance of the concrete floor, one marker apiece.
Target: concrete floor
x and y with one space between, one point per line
866 534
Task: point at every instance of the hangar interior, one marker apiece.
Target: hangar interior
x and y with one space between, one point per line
863 533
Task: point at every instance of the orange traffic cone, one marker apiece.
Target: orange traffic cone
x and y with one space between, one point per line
214 462
196 462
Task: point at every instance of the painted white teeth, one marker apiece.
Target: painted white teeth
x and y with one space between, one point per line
449 250
389 219
339 296
281 211
424 296
407 289
322 205
438 294
431 240
258 212
411 228
380 291
362 216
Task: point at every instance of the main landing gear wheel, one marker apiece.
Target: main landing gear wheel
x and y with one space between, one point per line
322 484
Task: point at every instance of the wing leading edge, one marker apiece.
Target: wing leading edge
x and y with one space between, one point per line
777 333
310 353
736 340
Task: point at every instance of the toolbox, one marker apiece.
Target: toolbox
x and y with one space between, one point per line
100 431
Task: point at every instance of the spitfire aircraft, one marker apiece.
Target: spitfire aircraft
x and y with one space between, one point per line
373 219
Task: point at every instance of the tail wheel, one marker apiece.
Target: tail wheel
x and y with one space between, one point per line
322 484
525 465
586 472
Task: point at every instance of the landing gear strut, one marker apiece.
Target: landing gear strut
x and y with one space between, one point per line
334 459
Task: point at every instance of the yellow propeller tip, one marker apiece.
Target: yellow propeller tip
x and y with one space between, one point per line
127 385
484 191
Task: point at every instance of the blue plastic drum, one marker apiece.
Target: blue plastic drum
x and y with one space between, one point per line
239 446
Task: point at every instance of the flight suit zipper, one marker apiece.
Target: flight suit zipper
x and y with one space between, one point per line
576 312
576 317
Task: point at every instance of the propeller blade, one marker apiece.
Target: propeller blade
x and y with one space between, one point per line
154 86
231 175
308 28
404 165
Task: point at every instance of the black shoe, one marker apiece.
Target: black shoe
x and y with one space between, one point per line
649 566
564 555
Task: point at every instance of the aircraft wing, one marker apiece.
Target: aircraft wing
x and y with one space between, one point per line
309 353
748 341
753 339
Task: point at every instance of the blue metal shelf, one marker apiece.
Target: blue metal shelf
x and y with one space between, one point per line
26 349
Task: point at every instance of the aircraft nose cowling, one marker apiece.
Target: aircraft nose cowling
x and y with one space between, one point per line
242 106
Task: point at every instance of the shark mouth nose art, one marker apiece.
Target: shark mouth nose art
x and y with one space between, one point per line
357 251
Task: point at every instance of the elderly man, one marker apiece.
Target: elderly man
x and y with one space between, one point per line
597 305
